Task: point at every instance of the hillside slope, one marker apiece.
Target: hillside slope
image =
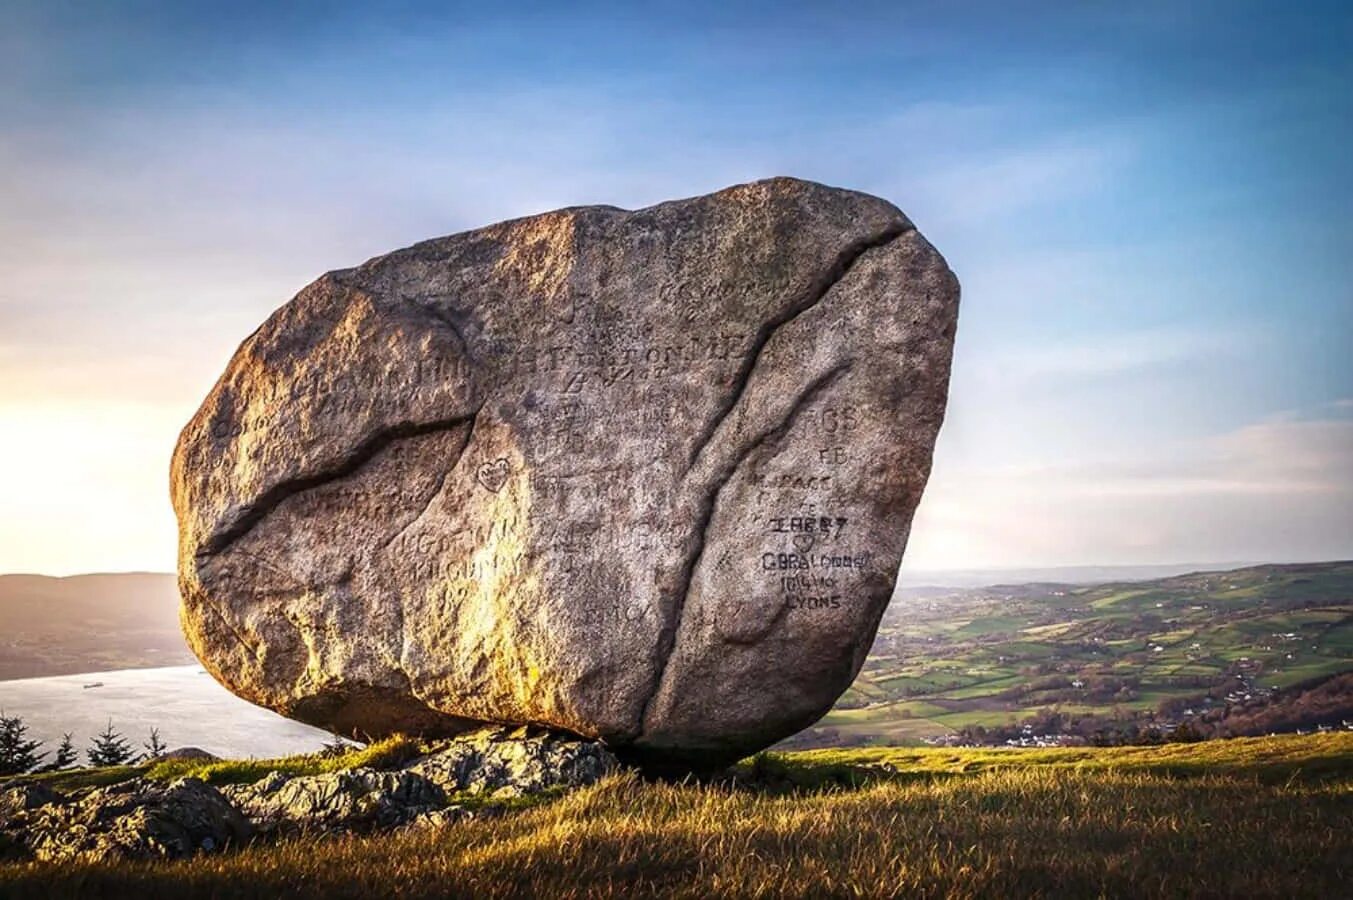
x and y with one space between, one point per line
1267 817
1132 655
88 623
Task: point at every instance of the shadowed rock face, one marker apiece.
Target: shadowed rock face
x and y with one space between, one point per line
137 819
645 476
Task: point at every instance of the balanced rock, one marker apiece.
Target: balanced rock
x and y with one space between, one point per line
643 476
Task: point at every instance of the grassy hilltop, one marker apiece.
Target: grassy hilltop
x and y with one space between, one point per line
1229 651
1262 817
89 623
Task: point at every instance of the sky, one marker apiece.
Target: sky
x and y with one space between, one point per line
1146 203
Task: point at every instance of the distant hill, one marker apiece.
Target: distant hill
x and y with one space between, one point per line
1247 651
94 623
946 658
88 623
922 579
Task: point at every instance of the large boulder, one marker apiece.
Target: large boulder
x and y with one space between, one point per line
644 476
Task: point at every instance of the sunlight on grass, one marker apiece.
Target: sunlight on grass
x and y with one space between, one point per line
1264 817
386 753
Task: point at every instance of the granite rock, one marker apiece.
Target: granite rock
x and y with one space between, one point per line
502 763
350 800
645 476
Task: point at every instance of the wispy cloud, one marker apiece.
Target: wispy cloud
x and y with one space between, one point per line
1119 353
1268 490
1012 180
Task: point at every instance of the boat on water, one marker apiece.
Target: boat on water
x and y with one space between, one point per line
94 685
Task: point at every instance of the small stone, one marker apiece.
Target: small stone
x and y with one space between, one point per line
438 819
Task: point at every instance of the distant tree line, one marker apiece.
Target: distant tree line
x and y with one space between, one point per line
1320 703
20 754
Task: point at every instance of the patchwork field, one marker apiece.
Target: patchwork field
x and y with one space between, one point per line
1152 653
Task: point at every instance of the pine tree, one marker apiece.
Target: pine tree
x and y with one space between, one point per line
109 749
154 747
66 756
17 753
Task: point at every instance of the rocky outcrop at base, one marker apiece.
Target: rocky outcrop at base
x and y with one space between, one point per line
142 818
137 819
353 800
500 762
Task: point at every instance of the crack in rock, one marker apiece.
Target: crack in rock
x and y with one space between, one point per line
368 450
668 637
834 275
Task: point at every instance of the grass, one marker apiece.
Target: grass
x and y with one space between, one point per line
1305 670
1270 759
386 753
1268 817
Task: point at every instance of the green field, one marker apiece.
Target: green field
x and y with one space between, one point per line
945 661
1266 817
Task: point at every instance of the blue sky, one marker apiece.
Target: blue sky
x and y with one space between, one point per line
1146 204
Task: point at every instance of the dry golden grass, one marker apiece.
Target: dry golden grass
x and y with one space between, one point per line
1052 831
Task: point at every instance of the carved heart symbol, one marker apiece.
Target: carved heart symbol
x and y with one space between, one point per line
493 475
803 542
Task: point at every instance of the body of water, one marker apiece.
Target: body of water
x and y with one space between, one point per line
186 704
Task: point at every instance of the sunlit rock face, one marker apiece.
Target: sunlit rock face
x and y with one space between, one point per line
645 476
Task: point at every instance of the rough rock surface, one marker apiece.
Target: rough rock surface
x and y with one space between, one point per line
137 819
18 798
644 476
351 800
19 805
144 819
499 763
437 819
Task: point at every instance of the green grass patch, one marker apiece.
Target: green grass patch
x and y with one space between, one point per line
1280 758
388 753
991 625
1290 673
72 781
384 754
